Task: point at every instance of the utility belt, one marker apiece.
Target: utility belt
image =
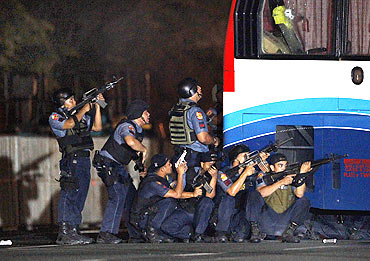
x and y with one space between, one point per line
80 153
106 170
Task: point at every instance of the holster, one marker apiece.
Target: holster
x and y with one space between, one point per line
68 180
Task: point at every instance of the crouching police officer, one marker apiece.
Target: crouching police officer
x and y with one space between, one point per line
196 202
234 187
155 200
188 124
121 147
75 143
278 206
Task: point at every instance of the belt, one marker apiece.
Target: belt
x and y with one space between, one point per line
82 153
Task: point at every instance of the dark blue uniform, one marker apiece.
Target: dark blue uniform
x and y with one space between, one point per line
71 201
121 184
193 212
231 210
271 222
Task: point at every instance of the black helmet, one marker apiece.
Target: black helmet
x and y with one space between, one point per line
187 87
61 95
136 108
236 150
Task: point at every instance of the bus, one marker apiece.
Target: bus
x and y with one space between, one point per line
300 69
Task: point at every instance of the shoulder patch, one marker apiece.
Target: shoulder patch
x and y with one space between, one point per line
55 117
199 115
260 175
223 176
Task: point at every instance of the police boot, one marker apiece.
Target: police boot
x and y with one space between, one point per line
197 238
107 238
221 237
66 236
288 234
154 236
84 239
256 234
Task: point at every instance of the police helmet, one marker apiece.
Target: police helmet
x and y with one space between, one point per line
187 87
136 108
236 150
61 95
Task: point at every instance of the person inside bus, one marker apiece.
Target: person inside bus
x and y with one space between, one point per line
233 195
279 207
188 124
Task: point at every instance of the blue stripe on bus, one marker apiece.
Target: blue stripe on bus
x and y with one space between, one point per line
282 108
267 127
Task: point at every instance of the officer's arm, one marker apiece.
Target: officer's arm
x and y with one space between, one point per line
205 138
214 172
299 191
176 193
70 123
266 191
135 144
237 185
97 125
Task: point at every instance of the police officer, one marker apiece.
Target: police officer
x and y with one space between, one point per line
155 200
278 206
73 136
122 146
234 187
196 203
188 124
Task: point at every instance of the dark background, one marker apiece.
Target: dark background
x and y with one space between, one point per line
153 44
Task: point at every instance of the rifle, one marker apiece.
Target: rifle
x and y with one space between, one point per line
139 166
255 158
294 168
201 180
91 96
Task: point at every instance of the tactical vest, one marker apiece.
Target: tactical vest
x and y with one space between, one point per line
141 205
281 199
76 139
180 132
122 153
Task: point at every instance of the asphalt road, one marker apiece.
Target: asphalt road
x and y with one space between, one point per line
266 250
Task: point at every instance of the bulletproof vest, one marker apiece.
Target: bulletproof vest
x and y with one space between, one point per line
140 204
76 139
281 199
122 153
180 132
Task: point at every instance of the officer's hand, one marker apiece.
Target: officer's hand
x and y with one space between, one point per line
249 170
197 192
287 180
264 155
143 173
100 97
182 168
145 154
213 171
306 167
86 107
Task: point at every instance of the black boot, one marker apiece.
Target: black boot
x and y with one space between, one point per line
155 236
84 239
107 238
221 237
288 234
256 234
66 236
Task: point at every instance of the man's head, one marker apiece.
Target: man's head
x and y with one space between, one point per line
190 89
138 109
239 153
207 160
160 164
278 162
64 97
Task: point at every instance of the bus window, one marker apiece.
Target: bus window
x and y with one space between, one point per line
298 27
358 29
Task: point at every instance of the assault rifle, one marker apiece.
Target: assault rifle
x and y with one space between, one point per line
201 180
254 158
139 166
294 168
92 96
